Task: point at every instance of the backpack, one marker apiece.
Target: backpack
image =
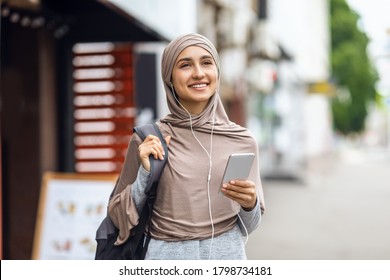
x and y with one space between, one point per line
136 245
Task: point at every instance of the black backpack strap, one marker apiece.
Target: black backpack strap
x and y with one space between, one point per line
135 247
156 166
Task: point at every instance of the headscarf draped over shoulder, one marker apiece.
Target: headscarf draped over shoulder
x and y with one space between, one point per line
181 209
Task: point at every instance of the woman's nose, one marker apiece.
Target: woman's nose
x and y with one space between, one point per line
198 72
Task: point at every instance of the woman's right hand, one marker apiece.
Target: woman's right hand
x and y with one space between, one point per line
151 146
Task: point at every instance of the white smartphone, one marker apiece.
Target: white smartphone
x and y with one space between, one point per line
238 167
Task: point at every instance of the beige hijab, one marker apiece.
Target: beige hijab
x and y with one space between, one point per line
179 117
187 207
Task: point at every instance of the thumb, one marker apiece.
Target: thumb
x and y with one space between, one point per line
168 139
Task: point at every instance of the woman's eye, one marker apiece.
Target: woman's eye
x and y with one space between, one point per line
184 65
207 62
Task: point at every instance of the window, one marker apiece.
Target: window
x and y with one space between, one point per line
104 107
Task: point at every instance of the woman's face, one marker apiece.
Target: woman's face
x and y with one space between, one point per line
194 78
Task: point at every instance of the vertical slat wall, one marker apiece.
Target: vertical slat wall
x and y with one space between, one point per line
104 109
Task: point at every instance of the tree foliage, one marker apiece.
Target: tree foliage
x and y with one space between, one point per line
352 69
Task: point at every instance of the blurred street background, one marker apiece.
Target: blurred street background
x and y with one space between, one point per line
309 78
340 211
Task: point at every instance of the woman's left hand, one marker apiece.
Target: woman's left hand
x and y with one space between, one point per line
243 192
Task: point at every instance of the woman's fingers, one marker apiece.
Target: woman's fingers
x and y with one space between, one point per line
243 192
151 146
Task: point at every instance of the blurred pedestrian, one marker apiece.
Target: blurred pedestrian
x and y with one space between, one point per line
191 219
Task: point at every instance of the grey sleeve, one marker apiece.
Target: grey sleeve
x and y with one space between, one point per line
138 188
248 221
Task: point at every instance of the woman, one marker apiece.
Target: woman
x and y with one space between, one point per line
191 219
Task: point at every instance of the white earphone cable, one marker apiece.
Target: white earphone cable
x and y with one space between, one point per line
210 166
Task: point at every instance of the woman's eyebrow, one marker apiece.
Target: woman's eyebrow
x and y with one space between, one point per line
183 59
207 57
190 59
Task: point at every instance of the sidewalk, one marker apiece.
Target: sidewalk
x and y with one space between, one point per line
341 211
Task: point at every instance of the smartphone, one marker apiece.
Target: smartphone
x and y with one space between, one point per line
238 167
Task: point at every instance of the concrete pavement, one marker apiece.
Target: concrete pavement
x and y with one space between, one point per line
340 211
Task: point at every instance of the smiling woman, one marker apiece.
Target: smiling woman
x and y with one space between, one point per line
190 219
194 78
